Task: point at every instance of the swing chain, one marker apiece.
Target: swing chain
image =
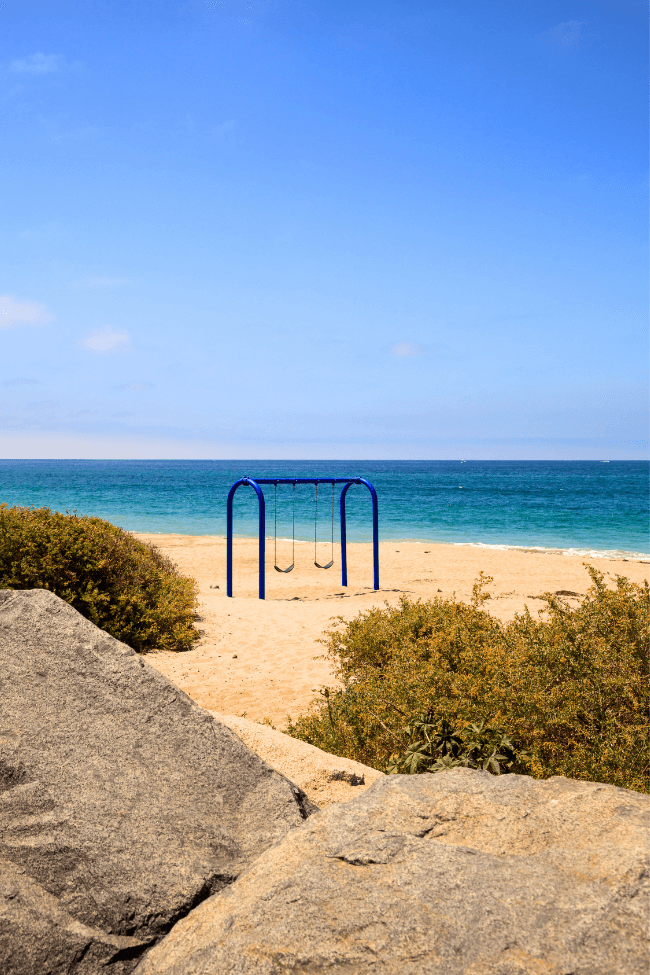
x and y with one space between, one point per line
275 530
331 562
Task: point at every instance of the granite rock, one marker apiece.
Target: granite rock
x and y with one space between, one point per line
122 803
457 872
323 777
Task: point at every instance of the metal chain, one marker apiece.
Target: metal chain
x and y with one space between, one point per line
331 562
275 530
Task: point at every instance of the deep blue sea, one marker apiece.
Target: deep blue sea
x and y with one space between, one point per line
575 506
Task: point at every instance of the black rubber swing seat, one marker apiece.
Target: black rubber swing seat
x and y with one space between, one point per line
278 569
319 566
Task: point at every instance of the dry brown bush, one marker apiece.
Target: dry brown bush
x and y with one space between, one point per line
569 687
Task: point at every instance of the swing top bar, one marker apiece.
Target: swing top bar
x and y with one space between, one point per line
255 482
302 480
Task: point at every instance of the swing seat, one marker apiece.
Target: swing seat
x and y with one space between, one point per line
331 563
293 531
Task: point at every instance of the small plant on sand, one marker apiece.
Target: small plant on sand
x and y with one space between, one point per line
126 587
568 689
434 746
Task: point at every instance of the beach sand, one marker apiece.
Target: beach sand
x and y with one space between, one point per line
261 659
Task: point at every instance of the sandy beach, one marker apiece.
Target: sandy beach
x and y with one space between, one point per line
261 659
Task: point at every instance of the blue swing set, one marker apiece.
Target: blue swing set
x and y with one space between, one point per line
255 483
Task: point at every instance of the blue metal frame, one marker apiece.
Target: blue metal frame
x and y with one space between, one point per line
255 484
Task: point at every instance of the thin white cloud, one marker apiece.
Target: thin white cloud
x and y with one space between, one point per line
106 340
403 350
136 386
567 34
38 63
225 127
21 381
13 311
80 134
98 281
40 405
46 232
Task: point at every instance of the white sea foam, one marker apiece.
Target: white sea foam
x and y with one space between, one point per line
593 553
581 552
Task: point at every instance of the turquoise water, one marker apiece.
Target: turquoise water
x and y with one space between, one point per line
580 506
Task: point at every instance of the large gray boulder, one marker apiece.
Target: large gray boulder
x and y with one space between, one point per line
458 872
122 803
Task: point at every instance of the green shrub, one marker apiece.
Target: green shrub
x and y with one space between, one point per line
436 746
126 587
569 687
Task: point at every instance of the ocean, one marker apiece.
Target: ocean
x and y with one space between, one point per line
578 507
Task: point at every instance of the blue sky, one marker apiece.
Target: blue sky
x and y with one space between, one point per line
257 228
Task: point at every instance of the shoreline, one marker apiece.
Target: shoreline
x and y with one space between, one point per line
618 555
262 659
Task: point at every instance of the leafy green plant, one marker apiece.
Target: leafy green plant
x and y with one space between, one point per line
126 587
436 746
570 685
